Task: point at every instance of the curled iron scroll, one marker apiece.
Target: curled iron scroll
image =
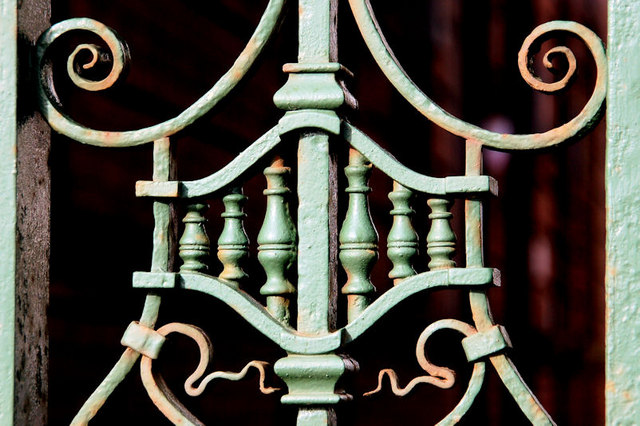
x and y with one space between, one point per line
576 127
65 125
162 396
439 376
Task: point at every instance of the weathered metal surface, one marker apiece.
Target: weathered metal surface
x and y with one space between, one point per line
622 389
143 339
277 242
233 243
441 241
8 152
33 230
164 230
311 98
195 246
402 241
311 379
358 238
486 343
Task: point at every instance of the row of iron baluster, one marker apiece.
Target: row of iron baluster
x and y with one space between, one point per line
277 238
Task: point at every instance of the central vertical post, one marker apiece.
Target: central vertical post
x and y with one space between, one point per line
312 90
316 181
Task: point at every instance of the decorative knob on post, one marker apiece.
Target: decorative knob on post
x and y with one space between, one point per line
358 237
194 244
441 241
277 242
402 242
233 244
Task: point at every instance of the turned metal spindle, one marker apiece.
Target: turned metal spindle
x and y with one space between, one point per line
402 242
233 243
195 246
441 241
358 237
277 242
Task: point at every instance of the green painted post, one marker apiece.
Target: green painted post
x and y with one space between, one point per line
315 186
312 85
314 233
622 388
8 152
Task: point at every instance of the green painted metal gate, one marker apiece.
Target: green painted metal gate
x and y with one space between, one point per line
302 229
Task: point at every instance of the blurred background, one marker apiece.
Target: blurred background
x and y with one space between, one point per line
545 231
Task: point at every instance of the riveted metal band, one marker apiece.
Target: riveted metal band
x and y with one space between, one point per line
143 339
486 343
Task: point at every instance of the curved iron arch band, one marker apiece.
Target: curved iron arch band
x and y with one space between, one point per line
294 342
380 50
207 186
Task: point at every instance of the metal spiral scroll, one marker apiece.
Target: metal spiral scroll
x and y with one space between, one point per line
441 377
65 125
162 396
579 125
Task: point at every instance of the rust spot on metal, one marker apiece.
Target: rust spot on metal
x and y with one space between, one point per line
610 387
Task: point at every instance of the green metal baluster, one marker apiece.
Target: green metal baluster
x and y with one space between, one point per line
402 242
233 243
277 239
194 244
441 241
358 237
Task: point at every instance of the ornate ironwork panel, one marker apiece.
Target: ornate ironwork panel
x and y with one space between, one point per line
303 243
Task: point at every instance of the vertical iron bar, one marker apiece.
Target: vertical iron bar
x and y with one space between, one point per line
480 303
622 174
8 135
316 234
473 237
316 187
317 34
33 228
164 231
317 227
161 260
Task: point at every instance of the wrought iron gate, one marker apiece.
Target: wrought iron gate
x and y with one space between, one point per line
301 245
